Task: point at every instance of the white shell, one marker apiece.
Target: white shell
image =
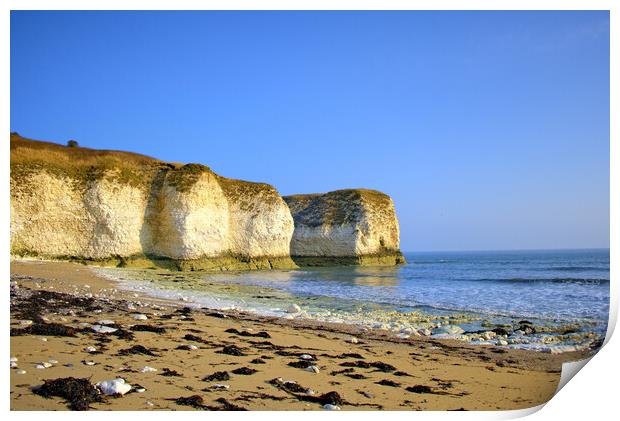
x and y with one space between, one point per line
330 407
114 387
147 369
90 349
140 317
305 357
218 386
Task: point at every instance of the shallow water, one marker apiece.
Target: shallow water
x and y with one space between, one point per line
557 291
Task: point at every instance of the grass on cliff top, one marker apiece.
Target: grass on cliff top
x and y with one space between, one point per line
85 164
333 208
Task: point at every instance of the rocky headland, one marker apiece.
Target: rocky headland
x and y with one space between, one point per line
120 208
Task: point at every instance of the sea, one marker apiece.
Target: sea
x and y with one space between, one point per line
562 295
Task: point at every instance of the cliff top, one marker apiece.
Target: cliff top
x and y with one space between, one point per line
85 164
336 207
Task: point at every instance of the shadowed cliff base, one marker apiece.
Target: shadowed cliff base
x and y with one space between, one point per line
387 259
214 264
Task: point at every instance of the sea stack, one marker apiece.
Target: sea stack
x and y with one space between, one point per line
354 226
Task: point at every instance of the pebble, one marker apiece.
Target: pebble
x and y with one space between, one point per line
353 340
306 357
502 342
14 359
192 347
89 362
90 349
104 329
52 361
313 369
425 332
149 403
140 317
105 322
40 366
114 387
218 386
21 371
293 308
25 322
44 339
330 407
13 364
140 390
147 369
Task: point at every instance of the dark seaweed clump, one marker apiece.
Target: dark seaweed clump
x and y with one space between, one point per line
261 334
217 376
232 350
301 364
364 364
169 373
137 349
148 328
419 389
386 382
45 329
230 406
246 371
79 393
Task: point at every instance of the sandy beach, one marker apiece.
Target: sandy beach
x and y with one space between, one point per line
181 358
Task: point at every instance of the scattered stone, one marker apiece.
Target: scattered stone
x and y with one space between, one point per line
89 362
140 317
147 369
90 349
218 386
313 369
330 407
352 340
293 308
103 329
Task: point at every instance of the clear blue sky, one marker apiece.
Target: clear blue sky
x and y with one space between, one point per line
490 130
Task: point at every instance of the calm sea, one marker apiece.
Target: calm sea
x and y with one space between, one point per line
477 289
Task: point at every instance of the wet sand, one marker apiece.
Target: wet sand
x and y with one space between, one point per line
260 356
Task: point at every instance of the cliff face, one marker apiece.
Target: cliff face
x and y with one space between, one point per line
120 208
116 207
344 227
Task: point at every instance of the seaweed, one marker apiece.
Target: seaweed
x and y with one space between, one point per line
148 328
79 393
217 376
246 371
232 350
137 349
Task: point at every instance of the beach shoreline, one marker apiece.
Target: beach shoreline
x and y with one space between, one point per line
380 371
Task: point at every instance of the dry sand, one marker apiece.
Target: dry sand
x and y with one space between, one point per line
453 375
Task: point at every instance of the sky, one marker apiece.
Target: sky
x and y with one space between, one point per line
490 130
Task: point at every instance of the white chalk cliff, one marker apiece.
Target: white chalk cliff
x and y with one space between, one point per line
111 207
356 226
